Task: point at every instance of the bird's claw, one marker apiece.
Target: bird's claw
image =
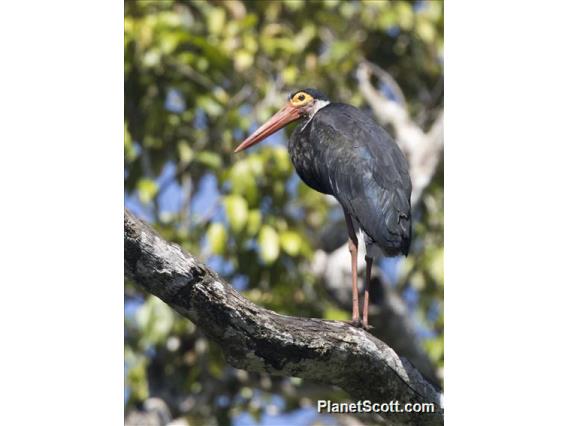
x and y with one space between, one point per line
355 323
359 324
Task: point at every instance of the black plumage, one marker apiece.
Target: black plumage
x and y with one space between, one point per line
343 152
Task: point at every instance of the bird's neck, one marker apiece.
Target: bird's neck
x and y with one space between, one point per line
318 104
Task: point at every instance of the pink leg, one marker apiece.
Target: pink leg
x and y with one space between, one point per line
353 250
355 289
369 261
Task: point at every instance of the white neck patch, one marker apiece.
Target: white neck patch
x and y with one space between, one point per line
318 104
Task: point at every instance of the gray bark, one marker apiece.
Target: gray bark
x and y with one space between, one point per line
256 339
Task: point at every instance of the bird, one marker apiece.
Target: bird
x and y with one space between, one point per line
339 150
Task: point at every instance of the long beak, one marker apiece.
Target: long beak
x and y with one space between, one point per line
285 116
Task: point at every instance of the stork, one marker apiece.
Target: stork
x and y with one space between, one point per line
339 150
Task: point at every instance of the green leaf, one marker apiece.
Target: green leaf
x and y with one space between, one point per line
289 74
336 314
147 189
435 348
243 60
237 211
268 242
151 58
437 265
242 180
137 379
185 152
216 20
256 164
210 106
155 319
340 49
283 163
291 242
254 222
209 159
294 5
217 237
425 30
387 19
405 15
129 150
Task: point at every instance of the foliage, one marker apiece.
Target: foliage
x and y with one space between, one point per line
199 76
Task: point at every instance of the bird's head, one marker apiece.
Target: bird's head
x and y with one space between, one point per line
302 104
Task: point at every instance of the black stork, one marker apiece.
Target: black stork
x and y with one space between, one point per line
338 150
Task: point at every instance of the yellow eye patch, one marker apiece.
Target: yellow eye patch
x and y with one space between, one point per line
301 98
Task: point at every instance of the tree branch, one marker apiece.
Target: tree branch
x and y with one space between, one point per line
260 340
388 313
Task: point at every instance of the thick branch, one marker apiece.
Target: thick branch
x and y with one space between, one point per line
257 339
388 313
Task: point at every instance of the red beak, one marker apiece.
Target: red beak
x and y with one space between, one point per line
285 116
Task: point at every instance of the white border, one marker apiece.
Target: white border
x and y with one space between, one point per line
506 212
61 124
61 173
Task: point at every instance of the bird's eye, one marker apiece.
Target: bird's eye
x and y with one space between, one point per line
301 99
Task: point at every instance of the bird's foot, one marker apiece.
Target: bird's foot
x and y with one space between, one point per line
355 323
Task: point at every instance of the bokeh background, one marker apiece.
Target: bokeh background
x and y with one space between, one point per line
199 77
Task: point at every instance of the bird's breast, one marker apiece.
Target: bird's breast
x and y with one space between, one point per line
308 153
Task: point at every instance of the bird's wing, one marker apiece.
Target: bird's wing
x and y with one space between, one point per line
369 176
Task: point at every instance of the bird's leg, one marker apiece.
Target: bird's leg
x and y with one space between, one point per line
355 311
369 261
353 250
